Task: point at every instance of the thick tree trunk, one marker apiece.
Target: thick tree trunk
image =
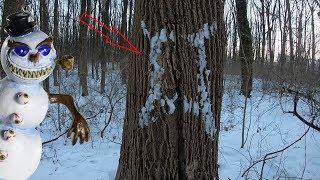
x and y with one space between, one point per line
245 51
10 6
167 132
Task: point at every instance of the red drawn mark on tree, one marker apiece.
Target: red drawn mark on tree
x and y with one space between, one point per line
87 20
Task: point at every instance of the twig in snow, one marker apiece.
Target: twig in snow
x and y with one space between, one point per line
52 140
269 154
295 113
265 158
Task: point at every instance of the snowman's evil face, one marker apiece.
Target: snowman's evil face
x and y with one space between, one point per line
29 58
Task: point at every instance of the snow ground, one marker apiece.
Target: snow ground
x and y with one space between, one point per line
270 130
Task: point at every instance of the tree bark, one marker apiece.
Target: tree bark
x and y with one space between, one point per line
283 30
245 50
44 26
56 37
124 30
106 21
174 145
313 39
290 35
83 66
263 27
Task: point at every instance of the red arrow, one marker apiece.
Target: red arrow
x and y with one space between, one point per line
128 46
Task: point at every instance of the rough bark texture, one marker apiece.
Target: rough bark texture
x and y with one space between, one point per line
83 68
290 35
56 38
176 145
44 26
106 20
10 6
245 50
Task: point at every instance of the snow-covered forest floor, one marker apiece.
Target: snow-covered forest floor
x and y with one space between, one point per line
270 129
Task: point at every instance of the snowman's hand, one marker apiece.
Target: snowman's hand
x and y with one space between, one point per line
79 130
66 62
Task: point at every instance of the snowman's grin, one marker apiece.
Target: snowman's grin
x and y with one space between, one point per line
27 73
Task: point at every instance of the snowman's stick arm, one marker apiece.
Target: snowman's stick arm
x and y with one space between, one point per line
79 126
66 100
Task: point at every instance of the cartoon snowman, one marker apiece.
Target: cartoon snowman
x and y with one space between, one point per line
28 57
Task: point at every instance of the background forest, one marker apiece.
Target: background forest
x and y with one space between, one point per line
252 111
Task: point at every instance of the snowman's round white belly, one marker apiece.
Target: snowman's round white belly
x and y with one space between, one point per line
23 155
31 109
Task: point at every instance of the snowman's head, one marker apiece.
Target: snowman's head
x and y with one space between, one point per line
28 57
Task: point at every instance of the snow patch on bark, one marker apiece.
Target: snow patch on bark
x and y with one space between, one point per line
144 29
170 103
203 105
155 92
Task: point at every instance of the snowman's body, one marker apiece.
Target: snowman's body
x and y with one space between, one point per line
24 154
27 60
24 150
32 112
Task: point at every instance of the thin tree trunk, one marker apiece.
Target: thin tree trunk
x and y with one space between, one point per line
263 27
290 35
106 20
313 39
44 26
83 65
245 50
234 39
124 62
56 36
283 30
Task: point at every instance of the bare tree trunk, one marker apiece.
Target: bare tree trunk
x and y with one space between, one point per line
245 51
83 66
130 18
290 35
106 20
124 62
283 30
173 143
299 60
44 26
56 36
313 39
263 27
234 38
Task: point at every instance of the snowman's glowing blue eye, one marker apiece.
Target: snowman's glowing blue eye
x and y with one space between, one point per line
44 49
21 50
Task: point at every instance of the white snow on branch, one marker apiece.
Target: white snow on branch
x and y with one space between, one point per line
203 105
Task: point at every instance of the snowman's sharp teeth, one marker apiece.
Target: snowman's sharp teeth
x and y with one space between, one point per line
27 73
38 73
